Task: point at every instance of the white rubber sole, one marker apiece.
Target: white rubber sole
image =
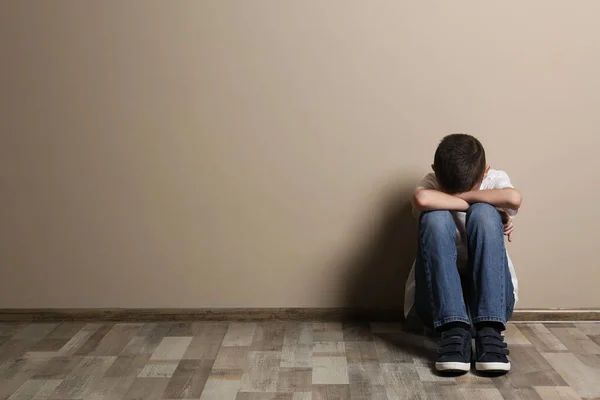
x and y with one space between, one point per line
452 366
492 366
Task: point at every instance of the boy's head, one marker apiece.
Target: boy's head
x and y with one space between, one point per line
459 163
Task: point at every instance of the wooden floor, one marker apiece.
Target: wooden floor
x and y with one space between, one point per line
282 360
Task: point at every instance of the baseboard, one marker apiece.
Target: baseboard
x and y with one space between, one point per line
260 314
198 314
556 315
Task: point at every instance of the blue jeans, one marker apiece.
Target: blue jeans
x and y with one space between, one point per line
485 291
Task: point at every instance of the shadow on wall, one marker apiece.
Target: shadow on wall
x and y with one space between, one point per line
377 272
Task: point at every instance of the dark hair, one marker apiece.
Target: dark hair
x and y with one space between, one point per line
459 163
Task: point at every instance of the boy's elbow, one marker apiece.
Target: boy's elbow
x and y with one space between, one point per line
515 199
420 199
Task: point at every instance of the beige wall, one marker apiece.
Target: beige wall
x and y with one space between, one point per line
258 154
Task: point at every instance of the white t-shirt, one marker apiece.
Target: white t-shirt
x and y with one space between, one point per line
494 180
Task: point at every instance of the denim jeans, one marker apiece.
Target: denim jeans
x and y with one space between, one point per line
484 292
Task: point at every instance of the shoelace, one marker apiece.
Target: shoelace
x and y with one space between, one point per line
453 341
491 342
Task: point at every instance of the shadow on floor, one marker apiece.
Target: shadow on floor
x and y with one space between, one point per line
377 274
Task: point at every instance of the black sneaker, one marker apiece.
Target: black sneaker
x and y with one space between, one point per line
454 351
492 352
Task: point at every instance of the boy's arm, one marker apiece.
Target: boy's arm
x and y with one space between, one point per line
429 200
508 198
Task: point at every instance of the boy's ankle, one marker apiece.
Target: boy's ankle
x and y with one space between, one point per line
497 326
454 324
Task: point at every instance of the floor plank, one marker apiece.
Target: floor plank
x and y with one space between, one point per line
283 361
582 378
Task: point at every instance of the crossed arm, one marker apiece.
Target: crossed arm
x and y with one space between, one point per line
508 198
429 200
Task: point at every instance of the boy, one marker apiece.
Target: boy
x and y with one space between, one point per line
462 276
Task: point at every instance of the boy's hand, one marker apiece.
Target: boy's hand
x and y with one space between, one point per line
508 225
503 198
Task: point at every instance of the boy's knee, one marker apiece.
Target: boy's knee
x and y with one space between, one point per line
438 219
483 215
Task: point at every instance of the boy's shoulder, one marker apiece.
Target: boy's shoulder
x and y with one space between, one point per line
493 173
496 179
429 182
